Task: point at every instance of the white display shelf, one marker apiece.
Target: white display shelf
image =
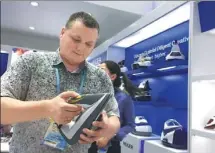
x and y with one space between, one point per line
155 146
203 77
203 133
4 147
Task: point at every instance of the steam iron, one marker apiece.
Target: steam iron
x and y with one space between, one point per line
94 105
143 94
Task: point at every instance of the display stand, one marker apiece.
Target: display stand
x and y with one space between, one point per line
157 147
135 144
202 76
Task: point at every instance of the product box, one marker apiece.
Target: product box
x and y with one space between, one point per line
135 144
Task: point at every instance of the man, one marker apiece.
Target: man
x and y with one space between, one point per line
37 86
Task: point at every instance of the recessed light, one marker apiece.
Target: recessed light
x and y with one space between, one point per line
32 28
34 3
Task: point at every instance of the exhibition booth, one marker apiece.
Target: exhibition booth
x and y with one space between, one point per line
169 54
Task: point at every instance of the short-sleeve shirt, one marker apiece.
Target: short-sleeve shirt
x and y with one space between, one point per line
32 77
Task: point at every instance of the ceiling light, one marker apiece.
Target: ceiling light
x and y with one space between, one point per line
166 68
32 28
168 21
34 3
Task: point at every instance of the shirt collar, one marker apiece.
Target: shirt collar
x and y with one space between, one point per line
58 62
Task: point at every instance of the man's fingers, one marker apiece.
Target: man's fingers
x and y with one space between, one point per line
102 124
87 139
98 143
72 108
104 115
91 133
98 124
67 94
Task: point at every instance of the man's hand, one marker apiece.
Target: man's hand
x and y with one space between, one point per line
103 131
61 111
102 142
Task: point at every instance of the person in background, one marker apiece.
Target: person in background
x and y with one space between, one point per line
5 130
126 108
38 85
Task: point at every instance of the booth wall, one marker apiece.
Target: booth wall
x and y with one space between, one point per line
159 45
169 92
116 54
169 101
98 59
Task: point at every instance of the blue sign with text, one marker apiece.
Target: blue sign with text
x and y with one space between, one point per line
159 46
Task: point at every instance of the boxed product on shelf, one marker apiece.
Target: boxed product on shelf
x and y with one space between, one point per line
135 144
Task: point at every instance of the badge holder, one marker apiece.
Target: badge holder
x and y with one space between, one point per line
53 138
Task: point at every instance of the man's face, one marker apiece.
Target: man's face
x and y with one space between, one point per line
77 42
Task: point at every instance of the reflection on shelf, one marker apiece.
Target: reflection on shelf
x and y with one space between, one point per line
160 69
210 134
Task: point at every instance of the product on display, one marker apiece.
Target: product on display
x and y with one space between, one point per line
122 66
124 69
142 127
175 53
94 105
142 62
210 124
174 135
145 86
144 93
6 139
121 63
122 86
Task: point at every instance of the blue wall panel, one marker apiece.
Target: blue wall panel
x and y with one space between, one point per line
169 100
4 62
98 59
169 90
206 15
160 45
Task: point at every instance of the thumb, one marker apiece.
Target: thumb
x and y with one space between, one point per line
104 115
97 142
67 94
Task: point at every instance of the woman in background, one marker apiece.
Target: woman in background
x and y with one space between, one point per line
126 108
